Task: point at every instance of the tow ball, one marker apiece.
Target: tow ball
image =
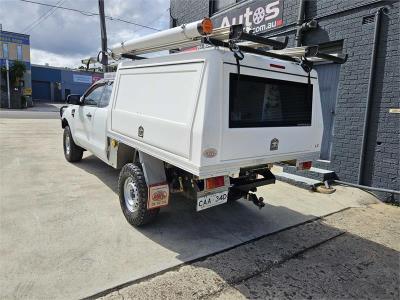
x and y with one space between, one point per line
259 202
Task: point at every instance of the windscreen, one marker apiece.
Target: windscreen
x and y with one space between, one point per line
263 102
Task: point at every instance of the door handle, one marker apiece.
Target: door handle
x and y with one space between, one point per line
88 115
73 112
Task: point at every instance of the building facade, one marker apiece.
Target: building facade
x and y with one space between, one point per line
15 47
52 84
360 99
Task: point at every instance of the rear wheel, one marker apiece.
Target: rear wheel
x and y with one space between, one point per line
133 193
72 152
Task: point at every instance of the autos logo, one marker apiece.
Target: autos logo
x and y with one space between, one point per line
258 15
274 144
160 195
210 152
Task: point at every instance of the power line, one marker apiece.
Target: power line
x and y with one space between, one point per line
90 14
43 17
155 19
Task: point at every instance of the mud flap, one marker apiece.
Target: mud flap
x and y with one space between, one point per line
154 173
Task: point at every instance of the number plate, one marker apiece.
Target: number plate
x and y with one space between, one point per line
211 200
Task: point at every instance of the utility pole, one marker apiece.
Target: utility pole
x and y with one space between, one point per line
104 58
8 83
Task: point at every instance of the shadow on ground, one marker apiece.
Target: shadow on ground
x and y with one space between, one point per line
313 260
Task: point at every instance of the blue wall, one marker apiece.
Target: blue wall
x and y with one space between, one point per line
54 84
46 74
68 83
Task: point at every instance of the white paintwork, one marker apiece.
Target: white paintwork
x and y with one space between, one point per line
146 97
181 101
98 143
83 125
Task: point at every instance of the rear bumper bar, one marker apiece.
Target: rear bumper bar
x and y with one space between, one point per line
244 184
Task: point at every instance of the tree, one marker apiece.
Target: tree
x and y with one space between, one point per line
17 71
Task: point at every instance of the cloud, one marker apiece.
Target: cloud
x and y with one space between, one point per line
40 57
65 37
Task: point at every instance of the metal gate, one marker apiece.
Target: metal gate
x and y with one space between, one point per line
41 91
328 77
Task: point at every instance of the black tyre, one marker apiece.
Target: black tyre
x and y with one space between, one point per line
132 191
72 152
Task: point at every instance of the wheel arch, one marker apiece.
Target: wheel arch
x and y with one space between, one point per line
64 123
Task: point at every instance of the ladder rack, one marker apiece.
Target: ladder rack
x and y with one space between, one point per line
235 38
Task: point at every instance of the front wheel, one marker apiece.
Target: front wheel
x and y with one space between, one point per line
72 152
133 193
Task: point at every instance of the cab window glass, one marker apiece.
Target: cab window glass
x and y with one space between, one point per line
105 98
94 96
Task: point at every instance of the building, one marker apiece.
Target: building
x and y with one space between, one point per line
15 47
360 99
52 84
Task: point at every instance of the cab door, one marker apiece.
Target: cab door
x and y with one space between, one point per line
99 132
84 116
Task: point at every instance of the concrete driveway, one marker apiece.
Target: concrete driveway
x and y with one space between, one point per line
40 110
63 234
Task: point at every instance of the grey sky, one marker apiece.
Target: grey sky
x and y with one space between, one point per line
65 37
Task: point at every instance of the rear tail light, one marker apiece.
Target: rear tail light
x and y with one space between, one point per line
305 165
215 182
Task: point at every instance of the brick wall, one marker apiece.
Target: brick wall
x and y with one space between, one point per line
342 20
186 11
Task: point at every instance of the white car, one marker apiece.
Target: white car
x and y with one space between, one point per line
189 122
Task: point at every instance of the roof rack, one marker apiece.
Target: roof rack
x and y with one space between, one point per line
200 33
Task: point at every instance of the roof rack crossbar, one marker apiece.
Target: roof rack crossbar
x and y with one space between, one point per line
311 52
332 58
132 56
238 33
219 43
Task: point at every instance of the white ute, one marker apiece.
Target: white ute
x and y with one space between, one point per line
208 123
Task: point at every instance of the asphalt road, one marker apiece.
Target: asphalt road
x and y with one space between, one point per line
39 111
63 234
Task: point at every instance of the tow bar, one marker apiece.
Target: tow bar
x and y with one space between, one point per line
259 202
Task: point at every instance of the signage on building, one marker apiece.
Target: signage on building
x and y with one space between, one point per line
82 78
258 15
27 91
12 37
96 78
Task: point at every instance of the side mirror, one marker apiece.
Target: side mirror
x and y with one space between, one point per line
74 99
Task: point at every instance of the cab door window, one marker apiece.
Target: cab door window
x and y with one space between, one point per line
93 98
105 98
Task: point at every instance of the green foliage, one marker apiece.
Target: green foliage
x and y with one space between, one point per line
17 71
